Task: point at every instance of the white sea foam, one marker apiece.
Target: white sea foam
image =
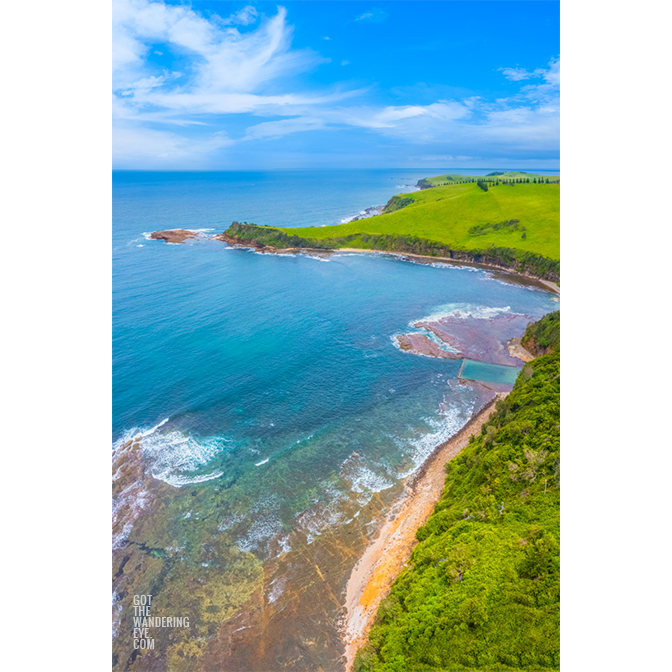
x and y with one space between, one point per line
174 456
276 588
258 464
260 533
366 481
464 310
178 481
419 447
285 546
316 258
326 513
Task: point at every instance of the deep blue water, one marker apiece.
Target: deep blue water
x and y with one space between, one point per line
260 364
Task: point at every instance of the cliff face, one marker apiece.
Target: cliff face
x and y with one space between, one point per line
242 242
543 337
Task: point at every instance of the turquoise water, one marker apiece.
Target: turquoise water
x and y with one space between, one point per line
489 373
268 388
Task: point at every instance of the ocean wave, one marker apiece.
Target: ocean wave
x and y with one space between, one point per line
361 476
419 448
174 457
464 310
260 533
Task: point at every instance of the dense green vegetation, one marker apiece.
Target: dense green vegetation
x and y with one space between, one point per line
506 176
453 221
482 229
445 214
481 591
397 203
523 262
543 336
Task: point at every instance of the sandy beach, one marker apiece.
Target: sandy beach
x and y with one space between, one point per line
383 560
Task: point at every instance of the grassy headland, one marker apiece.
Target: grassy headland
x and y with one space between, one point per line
513 225
481 590
448 214
502 176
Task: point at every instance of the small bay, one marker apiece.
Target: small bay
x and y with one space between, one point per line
278 419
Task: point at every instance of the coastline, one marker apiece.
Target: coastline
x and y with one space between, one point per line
386 556
523 278
503 273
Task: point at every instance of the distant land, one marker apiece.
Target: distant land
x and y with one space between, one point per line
509 220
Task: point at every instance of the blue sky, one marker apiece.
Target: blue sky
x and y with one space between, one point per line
329 85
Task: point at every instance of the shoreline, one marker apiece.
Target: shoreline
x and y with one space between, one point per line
508 273
504 273
426 259
387 555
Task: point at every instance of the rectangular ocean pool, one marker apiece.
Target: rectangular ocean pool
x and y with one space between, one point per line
489 373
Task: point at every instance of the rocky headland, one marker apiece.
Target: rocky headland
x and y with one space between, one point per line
175 236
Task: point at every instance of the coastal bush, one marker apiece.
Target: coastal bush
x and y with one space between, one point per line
544 335
397 203
518 260
482 229
482 587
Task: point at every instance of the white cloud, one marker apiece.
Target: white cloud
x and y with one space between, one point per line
162 148
373 16
223 60
245 64
244 17
276 129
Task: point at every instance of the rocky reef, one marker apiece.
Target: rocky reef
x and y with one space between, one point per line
175 236
483 338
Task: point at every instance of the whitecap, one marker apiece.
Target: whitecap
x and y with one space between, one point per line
174 457
463 311
420 447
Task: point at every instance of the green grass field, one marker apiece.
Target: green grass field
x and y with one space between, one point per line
508 175
446 213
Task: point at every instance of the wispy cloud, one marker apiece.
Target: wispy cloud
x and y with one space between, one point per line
188 88
152 148
373 16
244 17
227 69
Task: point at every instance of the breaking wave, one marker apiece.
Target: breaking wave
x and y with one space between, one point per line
464 310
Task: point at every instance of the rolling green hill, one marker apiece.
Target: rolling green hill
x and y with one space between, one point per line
510 225
495 175
445 214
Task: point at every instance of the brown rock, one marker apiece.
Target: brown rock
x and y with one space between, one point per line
174 235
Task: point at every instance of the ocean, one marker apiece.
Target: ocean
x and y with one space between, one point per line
264 419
